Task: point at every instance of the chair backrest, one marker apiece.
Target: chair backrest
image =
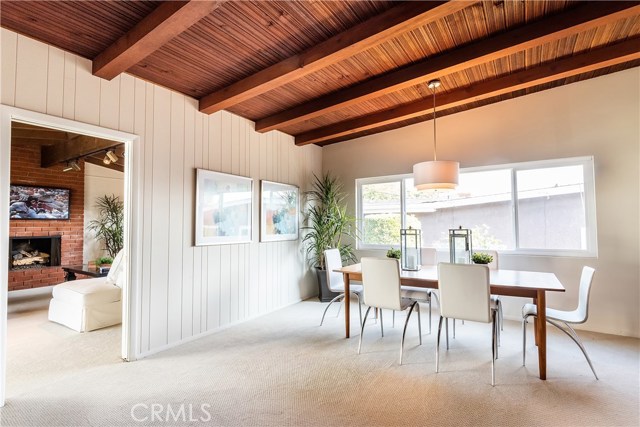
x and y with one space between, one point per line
381 282
586 278
116 272
333 261
428 256
464 291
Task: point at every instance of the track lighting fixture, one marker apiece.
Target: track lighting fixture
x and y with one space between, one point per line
72 165
110 157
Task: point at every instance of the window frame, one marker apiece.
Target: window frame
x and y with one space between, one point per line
587 163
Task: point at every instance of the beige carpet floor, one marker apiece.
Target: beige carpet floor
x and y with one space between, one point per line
41 352
284 370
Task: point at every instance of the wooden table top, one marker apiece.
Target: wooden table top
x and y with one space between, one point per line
531 280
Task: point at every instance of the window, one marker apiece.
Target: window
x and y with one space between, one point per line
545 207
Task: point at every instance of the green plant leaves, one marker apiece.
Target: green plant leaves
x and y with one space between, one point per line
109 227
329 222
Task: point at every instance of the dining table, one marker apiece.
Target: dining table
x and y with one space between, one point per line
514 283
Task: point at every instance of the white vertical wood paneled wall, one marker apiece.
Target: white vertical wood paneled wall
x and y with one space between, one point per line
185 290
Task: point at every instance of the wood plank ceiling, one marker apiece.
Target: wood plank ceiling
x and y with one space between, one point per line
330 71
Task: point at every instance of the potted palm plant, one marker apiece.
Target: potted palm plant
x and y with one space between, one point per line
328 227
109 226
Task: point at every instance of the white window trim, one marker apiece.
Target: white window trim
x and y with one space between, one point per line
590 205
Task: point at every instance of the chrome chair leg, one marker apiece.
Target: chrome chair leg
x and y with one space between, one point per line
454 328
574 336
340 308
524 340
362 329
494 348
446 330
381 324
430 313
438 345
393 319
327 308
500 320
404 331
496 316
419 322
359 305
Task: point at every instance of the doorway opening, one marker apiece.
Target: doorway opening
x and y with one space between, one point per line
54 174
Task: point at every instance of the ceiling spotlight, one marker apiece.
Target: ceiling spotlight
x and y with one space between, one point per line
72 165
111 156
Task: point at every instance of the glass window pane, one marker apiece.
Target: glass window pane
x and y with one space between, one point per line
482 202
381 221
551 208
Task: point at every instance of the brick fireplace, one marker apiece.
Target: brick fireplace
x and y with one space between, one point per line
26 170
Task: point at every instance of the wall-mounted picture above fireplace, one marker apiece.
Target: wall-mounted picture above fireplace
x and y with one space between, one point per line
31 202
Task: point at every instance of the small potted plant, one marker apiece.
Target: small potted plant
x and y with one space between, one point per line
481 258
394 253
104 263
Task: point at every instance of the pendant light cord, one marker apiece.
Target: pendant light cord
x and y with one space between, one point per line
434 124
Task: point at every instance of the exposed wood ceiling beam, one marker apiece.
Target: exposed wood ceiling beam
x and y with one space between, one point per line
163 24
578 19
41 133
80 146
573 65
113 166
390 24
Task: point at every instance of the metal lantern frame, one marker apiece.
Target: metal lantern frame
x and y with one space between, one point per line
410 244
460 245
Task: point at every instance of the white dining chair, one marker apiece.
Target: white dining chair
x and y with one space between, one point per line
465 294
335 281
577 316
493 265
381 289
422 295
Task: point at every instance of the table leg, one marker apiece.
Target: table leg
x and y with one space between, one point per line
541 320
535 325
347 305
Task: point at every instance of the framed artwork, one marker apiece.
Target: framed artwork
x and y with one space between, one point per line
279 211
224 206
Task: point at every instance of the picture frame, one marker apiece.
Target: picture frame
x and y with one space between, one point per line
224 208
279 211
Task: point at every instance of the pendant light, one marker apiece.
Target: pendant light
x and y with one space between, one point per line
436 174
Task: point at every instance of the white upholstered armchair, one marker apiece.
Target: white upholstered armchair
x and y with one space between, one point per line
90 304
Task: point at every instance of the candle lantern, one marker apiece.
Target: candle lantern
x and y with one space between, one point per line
460 246
410 244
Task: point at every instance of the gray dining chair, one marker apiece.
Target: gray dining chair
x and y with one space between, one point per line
465 294
555 317
381 289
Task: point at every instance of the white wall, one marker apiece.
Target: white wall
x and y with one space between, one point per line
98 182
185 290
599 117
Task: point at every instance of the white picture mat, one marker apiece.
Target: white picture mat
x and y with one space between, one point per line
224 208
279 211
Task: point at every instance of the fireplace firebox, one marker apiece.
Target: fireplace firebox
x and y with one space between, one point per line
34 252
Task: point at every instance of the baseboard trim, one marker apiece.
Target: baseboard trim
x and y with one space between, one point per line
142 355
